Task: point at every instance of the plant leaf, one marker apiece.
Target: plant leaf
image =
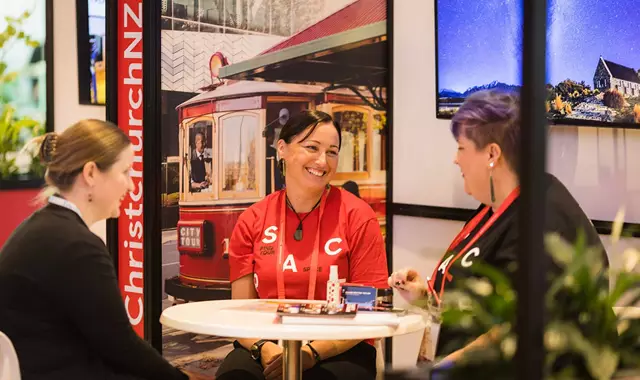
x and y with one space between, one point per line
601 361
618 222
561 251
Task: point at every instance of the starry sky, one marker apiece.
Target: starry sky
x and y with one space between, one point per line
480 41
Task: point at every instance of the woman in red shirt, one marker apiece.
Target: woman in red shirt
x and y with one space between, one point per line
282 247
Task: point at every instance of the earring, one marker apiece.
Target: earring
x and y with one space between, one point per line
284 168
493 193
90 198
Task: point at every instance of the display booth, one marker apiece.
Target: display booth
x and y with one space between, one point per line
203 95
204 117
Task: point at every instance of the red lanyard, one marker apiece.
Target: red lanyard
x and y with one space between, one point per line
473 223
281 246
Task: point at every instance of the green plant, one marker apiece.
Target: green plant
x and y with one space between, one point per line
613 99
11 126
584 338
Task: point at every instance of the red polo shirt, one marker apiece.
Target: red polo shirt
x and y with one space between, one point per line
350 237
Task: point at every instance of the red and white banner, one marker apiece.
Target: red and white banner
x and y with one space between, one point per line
130 227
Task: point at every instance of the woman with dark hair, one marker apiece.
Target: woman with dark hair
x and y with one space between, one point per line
487 129
282 247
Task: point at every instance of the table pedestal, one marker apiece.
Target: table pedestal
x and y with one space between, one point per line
292 360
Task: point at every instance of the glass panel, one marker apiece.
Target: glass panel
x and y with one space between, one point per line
166 7
166 24
212 12
353 155
258 20
200 157
235 12
185 9
170 183
239 153
281 18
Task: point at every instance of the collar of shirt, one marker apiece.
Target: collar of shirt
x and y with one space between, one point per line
56 200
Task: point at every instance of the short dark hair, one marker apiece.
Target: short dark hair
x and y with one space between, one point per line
300 122
491 116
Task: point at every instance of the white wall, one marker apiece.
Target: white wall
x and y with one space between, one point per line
67 109
600 166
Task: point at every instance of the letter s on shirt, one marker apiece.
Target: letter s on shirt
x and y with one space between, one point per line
270 235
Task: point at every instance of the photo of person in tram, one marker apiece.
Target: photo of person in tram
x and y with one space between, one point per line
283 246
201 161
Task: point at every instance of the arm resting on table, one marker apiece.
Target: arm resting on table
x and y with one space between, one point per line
243 288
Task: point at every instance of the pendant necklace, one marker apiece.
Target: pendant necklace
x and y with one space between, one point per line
298 234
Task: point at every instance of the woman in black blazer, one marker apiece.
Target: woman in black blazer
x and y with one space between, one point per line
487 130
59 301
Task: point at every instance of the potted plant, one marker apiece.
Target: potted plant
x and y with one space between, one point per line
584 338
17 165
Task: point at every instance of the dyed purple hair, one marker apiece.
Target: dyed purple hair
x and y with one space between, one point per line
491 116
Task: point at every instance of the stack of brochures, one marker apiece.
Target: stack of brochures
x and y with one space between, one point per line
327 314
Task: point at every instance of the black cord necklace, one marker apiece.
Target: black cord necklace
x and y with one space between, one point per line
298 234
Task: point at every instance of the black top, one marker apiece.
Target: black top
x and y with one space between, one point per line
498 246
61 306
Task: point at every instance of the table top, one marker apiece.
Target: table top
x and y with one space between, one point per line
258 319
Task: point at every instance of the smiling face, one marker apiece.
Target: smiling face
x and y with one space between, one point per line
311 162
112 185
475 164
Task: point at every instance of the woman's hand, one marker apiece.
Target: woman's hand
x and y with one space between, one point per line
271 360
408 283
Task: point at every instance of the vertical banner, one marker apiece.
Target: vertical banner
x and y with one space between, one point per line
130 113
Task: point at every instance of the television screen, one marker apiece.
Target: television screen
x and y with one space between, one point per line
593 57
91 16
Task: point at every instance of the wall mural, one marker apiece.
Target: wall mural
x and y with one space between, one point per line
220 124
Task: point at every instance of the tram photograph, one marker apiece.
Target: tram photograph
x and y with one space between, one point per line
227 132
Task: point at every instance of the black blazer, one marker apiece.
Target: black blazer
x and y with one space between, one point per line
498 246
61 306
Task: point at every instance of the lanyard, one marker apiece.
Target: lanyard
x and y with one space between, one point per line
64 203
464 234
281 246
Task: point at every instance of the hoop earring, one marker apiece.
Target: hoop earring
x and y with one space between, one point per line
491 188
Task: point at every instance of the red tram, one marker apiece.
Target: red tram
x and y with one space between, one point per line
228 161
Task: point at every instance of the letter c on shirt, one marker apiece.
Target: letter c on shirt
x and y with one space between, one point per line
465 260
327 247
270 235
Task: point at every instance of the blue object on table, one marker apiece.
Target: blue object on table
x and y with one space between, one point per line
439 371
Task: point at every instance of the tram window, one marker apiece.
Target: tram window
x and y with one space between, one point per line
353 154
239 159
212 12
200 157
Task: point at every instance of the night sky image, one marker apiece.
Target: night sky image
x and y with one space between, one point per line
480 46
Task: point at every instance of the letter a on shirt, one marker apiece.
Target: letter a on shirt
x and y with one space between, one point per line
290 264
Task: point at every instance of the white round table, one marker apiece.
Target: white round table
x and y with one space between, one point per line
258 319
